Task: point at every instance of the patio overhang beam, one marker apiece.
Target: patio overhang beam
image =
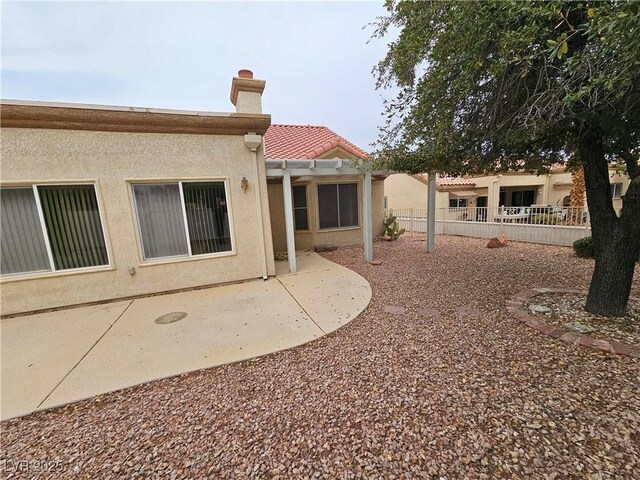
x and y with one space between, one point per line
318 167
304 172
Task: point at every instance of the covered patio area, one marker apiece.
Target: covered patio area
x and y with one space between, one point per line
338 205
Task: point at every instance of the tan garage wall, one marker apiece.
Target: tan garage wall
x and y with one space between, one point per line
109 160
306 240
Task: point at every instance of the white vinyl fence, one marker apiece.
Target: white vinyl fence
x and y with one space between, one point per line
548 225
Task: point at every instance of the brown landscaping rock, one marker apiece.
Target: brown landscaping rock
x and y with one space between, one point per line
468 312
586 341
376 262
325 248
428 312
384 397
394 309
502 238
495 243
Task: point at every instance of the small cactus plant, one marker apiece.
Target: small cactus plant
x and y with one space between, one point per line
391 230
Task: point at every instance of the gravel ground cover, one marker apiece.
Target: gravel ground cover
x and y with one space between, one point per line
567 310
453 394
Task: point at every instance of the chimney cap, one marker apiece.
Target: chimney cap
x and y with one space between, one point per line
245 73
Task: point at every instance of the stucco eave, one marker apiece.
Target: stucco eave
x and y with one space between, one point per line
124 119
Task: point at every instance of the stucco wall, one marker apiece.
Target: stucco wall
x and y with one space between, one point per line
111 159
404 192
306 240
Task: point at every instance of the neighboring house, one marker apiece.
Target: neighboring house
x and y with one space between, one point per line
103 202
328 209
514 189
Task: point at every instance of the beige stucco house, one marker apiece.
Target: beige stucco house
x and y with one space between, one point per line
102 202
514 189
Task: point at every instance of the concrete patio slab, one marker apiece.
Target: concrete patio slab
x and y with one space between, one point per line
223 324
126 347
39 350
328 292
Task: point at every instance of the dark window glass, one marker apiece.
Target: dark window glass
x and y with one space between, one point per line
523 198
207 217
348 204
338 205
328 205
616 190
300 212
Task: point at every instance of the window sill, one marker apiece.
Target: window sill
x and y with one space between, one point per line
193 258
339 229
58 273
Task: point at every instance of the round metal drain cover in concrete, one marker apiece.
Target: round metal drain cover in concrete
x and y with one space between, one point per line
170 317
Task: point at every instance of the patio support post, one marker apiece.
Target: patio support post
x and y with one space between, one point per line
288 221
368 232
431 213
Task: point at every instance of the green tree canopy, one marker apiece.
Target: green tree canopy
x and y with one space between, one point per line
499 85
509 85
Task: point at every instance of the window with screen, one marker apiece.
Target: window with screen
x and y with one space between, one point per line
338 205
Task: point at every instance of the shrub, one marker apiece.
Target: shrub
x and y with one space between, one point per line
545 219
584 247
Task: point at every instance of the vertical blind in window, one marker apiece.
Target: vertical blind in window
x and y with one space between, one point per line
300 207
73 226
160 220
22 238
163 213
338 205
70 224
206 209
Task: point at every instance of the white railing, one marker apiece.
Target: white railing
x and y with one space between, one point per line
538 224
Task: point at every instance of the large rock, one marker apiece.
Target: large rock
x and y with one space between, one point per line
503 239
496 243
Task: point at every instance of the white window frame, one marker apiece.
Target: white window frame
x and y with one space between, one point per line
189 256
47 242
358 190
458 206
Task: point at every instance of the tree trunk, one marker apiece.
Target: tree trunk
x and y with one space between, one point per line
616 240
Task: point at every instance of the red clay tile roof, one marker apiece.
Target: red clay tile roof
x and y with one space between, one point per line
304 141
445 181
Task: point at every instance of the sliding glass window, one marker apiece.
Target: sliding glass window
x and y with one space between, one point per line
48 228
338 205
182 219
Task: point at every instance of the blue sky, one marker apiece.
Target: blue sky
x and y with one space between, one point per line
313 55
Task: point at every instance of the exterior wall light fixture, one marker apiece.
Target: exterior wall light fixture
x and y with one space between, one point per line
244 184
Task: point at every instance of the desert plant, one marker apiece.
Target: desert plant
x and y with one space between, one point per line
545 219
584 247
391 228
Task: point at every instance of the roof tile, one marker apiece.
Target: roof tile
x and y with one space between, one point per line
304 141
445 181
